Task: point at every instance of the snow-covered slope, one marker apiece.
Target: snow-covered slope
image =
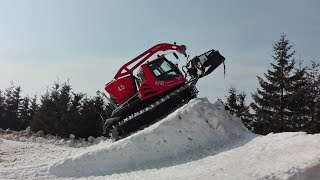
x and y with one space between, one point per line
198 141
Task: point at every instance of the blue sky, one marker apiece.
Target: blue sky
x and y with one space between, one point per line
87 41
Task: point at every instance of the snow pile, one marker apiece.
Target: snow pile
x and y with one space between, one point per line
28 135
291 155
193 129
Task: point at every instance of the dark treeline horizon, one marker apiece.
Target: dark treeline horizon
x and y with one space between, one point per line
59 111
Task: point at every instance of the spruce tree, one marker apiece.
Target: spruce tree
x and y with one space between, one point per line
237 106
74 123
33 107
27 111
24 111
15 111
46 117
87 125
93 113
53 116
273 101
63 104
244 111
297 104
313 97
2 110
63 112
100 113
232 99
12 105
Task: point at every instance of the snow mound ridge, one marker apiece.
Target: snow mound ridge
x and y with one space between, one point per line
196 126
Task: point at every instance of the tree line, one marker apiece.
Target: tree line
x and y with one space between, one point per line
60 112
288 98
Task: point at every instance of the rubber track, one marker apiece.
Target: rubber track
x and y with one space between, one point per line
152 113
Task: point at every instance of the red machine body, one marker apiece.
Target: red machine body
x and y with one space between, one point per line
152 79
144 89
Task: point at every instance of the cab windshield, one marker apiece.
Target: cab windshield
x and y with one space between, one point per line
164 69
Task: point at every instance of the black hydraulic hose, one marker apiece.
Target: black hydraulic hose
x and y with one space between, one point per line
224 69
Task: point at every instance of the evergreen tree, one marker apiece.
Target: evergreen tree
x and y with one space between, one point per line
87 118
46 117
33 107
312 97
101 113
53 115
93 113
15 111
2 109
297 104
237 106
63 112
12 105
63 103
273 102
27 111
232 99
244 111
24 114
74 123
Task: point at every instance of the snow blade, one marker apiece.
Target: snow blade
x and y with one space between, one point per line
204 64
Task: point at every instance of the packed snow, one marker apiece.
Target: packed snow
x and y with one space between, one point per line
198 141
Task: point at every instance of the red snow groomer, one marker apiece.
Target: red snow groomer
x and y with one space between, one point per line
144 90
